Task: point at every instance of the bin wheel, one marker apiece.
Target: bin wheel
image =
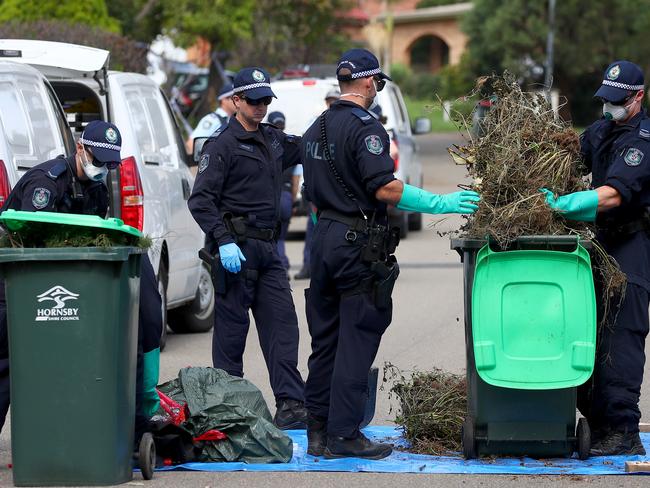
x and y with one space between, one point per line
147 456
469 439
583 435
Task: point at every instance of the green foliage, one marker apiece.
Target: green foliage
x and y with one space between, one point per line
294 32
89 12
139 19
222 22
436 3
126 55
430 109
589 35
417 85
455 80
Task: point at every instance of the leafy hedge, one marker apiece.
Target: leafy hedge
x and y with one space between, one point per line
126 54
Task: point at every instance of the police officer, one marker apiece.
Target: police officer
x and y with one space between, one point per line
614 150
236 201
76 185
290 183
212 121
349 178
305 272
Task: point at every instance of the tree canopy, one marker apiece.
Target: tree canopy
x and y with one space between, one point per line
89 12
588 36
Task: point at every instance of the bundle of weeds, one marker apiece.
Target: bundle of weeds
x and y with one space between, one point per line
432 406
523 147
40 235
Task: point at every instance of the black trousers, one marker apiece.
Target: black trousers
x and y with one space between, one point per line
345 328
261 286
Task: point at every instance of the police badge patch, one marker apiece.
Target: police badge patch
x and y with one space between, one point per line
111 135
258 76
204 162
374 144
633 156
41 198
614 72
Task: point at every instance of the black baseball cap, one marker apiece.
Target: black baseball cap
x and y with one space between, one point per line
359 63
104 139
253 83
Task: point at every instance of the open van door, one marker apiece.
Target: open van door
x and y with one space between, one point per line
59 60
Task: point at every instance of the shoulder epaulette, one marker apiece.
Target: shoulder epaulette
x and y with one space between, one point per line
57 170
217 133
644 129
365 117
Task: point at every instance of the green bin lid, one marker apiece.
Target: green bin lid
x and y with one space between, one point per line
15 220
534 318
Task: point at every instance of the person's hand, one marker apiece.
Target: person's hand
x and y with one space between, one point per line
231 257
580 205
461 202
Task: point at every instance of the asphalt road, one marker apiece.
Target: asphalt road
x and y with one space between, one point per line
426 332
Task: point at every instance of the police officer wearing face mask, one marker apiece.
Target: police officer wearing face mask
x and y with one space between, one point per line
236 201
76 185
616 150
349 178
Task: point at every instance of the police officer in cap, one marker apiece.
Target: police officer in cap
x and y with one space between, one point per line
616 150
236 201
76 185
349 178
212 121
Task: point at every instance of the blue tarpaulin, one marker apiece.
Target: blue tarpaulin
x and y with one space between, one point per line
404 462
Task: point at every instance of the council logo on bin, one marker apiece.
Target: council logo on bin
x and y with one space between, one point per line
59 311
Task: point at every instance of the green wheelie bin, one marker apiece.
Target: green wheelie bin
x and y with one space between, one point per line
72 317
530 335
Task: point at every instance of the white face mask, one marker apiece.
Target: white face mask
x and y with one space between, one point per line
94 173
614 112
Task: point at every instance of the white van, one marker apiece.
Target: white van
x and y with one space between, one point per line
151 187
33 127
301 100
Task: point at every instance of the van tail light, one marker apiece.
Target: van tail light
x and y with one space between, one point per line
5 187
132 195
396 159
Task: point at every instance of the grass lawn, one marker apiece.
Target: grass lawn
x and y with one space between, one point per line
431 109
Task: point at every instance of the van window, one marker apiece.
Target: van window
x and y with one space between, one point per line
28 118
399 110
160 130
139 120
14 121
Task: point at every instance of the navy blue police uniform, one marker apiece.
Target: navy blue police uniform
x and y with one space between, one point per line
345 322
618 155
236 199
53 186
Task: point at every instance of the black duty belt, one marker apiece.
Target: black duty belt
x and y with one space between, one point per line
240 228
613 229
356 224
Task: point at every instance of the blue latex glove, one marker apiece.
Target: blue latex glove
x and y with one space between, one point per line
231 257
416 199
581 205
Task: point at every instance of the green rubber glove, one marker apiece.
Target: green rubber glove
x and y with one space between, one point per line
581 205
150 400
416 199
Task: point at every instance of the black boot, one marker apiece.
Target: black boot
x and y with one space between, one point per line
290 414
617 443
316 435
359 446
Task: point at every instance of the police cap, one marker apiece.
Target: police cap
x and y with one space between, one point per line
358 63
226 91
253 83
277 119
104 139
620 78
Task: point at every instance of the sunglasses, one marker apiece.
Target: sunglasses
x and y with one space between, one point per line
259 101
622 102
381 83
96 162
